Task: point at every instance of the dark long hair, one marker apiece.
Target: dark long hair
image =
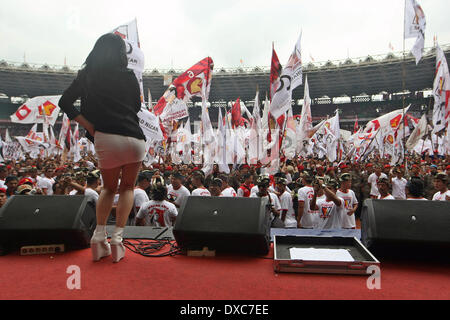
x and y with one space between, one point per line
109 54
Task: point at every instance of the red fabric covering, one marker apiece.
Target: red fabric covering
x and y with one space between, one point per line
222 277
236 116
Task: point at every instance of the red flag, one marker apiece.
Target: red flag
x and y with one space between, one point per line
275 73
236 116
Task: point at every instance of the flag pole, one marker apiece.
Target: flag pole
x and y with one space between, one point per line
404 84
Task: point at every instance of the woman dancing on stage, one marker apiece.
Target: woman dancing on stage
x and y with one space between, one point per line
110 101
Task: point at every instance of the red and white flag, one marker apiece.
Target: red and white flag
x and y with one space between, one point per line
419 132
173 104
415 24
65 133
391 120
290 78
42 109
441 92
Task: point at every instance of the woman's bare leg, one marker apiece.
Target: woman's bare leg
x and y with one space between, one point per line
126 193
105 201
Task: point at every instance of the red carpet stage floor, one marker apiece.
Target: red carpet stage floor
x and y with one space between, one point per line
218 278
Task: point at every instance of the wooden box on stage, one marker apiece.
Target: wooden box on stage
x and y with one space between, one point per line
335 255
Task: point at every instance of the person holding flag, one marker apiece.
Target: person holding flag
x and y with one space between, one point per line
110 101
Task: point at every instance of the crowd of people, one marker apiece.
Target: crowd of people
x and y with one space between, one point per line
305 193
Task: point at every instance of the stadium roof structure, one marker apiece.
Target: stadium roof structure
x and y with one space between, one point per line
351 78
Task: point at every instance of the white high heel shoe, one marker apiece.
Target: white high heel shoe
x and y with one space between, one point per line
99 245
117 247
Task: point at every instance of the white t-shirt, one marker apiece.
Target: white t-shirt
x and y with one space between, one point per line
177 195
398 188
74 192
158 213
388 197
140 198
309 217
228 192
2 184
348 222
201 192
273 199
330 214
287 204
373 179
255 190
46 183
438 196
92 195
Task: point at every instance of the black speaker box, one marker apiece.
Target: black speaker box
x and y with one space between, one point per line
238 225
406 228
41 220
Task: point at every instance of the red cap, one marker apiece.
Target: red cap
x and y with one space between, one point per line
387 166
415 166
59 169
300 168
448 167
25 180
169 168
343 166
195 169
2 190
369 165
8 167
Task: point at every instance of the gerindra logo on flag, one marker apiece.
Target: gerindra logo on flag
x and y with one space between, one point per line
396 121
46 109
195 86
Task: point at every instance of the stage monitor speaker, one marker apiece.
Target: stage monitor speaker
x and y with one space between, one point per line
406 228
42 220
238 225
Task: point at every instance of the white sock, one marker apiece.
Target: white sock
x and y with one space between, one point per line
100 229
118 231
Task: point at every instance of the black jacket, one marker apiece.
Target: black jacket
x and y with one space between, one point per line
109 101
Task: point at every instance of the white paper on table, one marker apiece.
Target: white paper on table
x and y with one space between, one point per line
313 254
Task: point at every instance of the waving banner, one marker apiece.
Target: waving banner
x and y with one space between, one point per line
290 79
150 125
42 109
172 104
441 92
415 24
